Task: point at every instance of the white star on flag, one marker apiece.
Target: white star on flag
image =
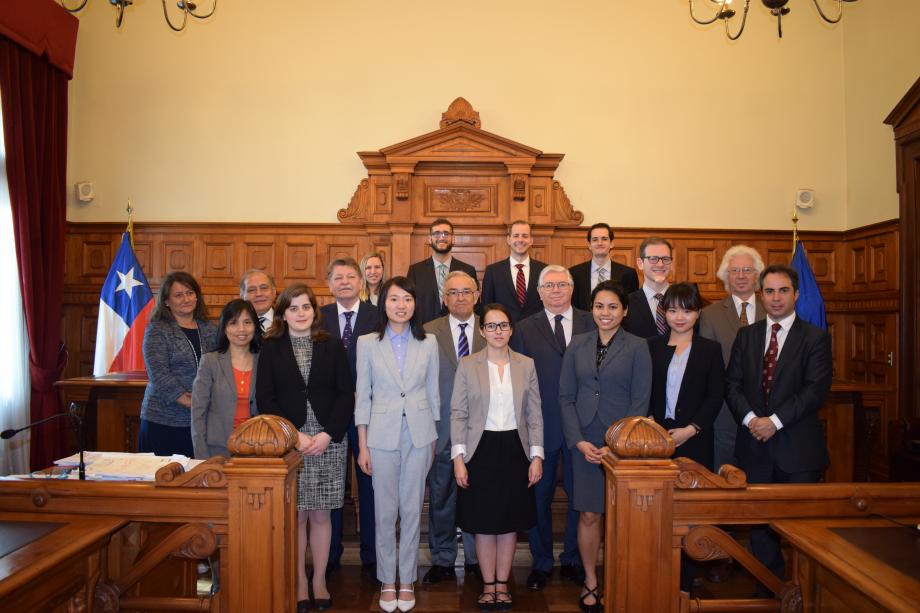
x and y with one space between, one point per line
128 282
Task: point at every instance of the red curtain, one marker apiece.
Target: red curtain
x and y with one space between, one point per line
34 103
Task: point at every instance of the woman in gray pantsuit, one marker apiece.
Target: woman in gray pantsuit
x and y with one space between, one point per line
396 408
606 376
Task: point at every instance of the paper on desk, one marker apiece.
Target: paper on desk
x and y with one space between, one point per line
127 466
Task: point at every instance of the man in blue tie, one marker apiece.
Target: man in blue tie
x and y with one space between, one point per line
457 336
348 318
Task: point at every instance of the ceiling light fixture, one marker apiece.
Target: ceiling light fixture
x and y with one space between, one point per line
186 6
777 8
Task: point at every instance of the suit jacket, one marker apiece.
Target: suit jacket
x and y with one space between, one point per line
499 285
534 337
364 322
214 402
801 382
719 322
427 300
619 388
281 390
639 319
581 275
699 399
384 396
469 405
447 368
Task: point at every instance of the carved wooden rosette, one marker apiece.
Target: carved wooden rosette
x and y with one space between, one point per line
478 180
639 437
267 436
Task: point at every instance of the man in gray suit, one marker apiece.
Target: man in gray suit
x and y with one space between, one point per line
457 336
739 271
258 288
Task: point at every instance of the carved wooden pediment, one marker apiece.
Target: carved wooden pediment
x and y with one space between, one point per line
459 142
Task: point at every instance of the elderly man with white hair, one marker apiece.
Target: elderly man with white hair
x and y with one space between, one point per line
740 270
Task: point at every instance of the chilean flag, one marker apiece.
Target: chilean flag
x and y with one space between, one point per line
124 309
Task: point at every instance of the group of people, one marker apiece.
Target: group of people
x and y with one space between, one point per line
487 393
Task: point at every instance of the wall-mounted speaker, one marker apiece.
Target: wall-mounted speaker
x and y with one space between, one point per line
84 191
805 198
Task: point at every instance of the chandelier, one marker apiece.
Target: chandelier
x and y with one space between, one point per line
186 7
777 8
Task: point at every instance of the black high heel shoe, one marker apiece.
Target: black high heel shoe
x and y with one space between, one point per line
486 600
503 605
596 606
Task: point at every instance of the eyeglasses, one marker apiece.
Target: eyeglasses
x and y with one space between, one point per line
654 259
441 234
746 270
492 326
453 293
560 284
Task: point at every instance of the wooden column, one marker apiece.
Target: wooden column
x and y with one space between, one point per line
642 560
262 516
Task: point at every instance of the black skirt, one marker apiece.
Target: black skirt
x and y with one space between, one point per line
498 500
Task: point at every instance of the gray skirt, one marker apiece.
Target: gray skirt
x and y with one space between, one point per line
321 481
587 478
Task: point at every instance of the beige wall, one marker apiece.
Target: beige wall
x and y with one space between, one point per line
257 114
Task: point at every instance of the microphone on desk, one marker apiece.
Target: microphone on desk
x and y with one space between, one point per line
75 412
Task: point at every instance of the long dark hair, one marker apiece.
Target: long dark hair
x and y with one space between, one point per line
611 286
682 296
232 311
279 326
415 324
161 311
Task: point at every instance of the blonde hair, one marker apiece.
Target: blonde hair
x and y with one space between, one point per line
364 292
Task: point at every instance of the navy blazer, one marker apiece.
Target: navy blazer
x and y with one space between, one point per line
534 337
639 318
498 285
699 399
364 322
427 300
801 382
281 390
581 275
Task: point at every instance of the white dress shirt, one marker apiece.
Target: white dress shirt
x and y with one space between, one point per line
454 324
354 318
566 323
650 298
594 268
751 312
526 270
781 334
268 316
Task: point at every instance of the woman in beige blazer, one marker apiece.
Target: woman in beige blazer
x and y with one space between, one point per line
496 430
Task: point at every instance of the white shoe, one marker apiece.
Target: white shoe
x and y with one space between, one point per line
388 605
406 605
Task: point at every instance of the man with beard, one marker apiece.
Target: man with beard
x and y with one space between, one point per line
430 274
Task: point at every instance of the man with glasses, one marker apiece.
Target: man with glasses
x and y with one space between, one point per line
258 288
430 275
739 271
645 317
544 337
457 337
600 268
512 282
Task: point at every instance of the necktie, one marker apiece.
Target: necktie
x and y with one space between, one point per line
744 319
520 285
347 334
442 277
601 275
769 364
660 321
559 333
463 343
262 323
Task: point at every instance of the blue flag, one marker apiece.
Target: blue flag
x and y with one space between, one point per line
810 305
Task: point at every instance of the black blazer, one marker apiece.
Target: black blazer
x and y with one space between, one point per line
801 382
427 301
498 285
639 319
534 337
281 390
364 323
701 392
581 275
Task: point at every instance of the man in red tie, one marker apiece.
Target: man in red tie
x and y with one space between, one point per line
512 282
778 377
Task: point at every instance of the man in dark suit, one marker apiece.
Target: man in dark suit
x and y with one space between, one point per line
346 319
429 275
543 337
600 268
512 282
258 288
778 377
739 271
645 317
458 335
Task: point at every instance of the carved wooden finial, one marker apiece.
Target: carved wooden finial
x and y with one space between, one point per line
264 435
639 437
460 110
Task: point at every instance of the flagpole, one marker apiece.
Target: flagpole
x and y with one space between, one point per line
795 227
130 230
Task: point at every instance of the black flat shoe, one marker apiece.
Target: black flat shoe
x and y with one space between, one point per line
303 606
536 580
322 604
437 573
